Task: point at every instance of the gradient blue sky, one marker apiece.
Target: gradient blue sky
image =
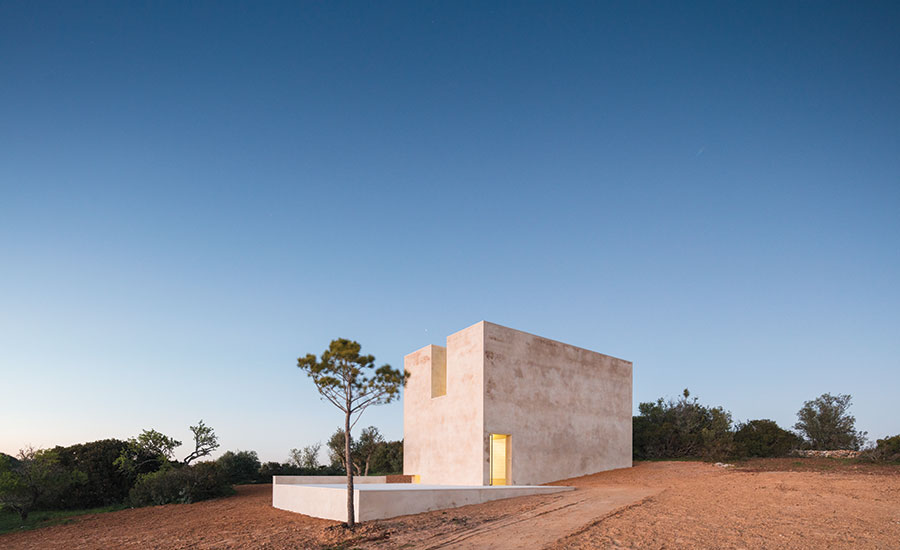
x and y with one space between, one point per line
192 195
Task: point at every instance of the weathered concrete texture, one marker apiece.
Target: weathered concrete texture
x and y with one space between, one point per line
380 501
442 435
566 410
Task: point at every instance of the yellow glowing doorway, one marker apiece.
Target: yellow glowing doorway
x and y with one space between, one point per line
500 459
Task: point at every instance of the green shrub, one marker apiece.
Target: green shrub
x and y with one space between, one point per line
764 438
885 450
681 428
269 469
160 487
388 458
33 476
890 446
148 452
180 484
106 483
827 424
240 466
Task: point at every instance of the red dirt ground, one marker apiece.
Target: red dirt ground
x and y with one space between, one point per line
785 503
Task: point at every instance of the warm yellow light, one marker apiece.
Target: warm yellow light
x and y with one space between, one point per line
438 372
499 459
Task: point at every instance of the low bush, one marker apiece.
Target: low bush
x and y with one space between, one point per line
890 446
764 439
885 450
106 484
388 458
240 466
826 424
180 484
31 478
269 469
681 428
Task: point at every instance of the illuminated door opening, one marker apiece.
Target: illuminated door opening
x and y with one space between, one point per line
499 459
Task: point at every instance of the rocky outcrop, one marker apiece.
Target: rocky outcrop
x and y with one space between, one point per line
840 453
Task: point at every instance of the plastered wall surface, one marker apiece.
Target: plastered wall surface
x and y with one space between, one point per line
322 501
567 409
442 436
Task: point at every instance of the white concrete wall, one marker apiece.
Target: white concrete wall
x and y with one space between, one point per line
442 435
379 501
323 501
381 504
567 409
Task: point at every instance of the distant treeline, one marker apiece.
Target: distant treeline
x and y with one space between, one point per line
143 471
684 428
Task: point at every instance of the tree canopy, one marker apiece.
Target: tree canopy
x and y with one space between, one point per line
147 452
307 457
826 423
681 428
205 442
351 382
33 475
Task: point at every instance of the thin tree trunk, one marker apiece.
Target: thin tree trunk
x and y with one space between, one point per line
351 520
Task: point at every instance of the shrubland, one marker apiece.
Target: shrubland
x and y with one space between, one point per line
686 428
111 473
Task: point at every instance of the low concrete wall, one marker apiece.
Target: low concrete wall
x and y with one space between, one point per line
329 501
382 503
325 480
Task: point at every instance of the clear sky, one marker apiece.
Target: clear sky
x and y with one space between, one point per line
192 195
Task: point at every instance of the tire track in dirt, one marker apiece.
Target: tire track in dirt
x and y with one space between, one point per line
570 514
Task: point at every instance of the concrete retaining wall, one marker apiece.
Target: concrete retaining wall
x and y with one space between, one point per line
382 501
325 501
322 480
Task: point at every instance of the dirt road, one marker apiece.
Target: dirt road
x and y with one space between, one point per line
555 517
